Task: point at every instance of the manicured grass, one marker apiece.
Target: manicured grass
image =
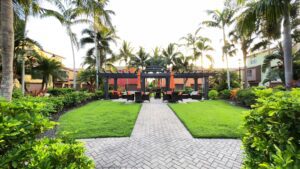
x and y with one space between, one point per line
100 119
211 119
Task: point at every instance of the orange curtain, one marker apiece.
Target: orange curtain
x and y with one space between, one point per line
172 83
139 80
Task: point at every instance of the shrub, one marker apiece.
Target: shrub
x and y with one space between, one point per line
246 97
225 94
17 93
279 87
213 94
187 90
60 91
20 122
99 94
273 130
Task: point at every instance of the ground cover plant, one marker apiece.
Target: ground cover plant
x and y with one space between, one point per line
211 118
100 119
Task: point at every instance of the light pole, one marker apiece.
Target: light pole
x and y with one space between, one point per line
240 79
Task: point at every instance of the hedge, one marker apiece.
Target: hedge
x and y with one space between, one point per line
24 119
272 137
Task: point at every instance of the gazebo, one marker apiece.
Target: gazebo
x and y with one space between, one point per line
157 72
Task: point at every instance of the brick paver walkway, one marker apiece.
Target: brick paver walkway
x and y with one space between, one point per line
159 140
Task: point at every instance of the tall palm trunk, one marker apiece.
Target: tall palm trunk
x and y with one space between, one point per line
7 44
74 71
96 51
287 49
245 67
23 57
226 57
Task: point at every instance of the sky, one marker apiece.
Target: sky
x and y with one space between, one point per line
145 23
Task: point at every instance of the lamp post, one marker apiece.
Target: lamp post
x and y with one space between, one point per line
240 79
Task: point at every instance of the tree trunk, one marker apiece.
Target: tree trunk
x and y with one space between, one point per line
226 57
74 71
96 52
24 56
7 44
287 50
245 68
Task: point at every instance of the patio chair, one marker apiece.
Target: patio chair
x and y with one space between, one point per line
138 97
146 96
196 95
166 96
175 97
114 95
157 94
130 96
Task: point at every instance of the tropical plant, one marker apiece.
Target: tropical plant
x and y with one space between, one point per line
272 131
67 15
7 48
183 64
202 47
139 60
101 20
103 40
222 20
156 59
275 72
30 7
219 81
46 68
170 54
89 77
125 52
269 15
213 94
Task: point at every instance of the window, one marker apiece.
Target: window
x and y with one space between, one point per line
249 72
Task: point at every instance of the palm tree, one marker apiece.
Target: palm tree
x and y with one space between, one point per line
278 70
156 59
202 47
7 47
103 40
140 59
29 7
125 53
46 68
221 20
191 41
67 17
271 14
24 51
101 19
170 54
182 64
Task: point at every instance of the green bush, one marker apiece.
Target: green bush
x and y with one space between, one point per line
187 90
17 93
99 94
246 97
60 91
225 94
20 122
213 94
279 87
272 137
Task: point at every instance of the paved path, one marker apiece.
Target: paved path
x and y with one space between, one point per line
159 140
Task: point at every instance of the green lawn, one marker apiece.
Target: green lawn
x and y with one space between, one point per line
100 119
211 119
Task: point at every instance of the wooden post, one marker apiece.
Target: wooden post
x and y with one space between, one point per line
195 84
115 84
167 83
206 86
143 84
106 88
